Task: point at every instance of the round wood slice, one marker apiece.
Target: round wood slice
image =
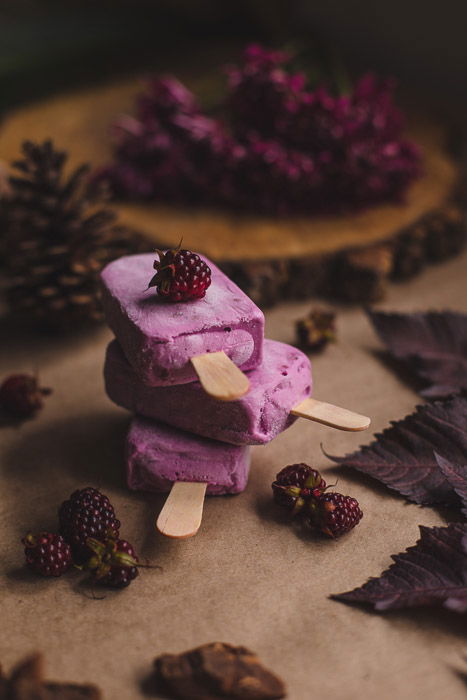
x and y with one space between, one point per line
349 256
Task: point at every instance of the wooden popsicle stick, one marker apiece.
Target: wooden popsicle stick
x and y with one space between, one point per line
333 416
183 510
220 377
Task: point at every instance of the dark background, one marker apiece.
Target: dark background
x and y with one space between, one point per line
50 45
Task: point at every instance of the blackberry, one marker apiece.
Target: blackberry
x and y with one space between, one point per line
113 562
21 396
87 513
180 275
46 553
334 514
295 485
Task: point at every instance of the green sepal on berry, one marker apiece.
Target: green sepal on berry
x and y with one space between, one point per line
165 270
180 275
107 555
292 495
295 485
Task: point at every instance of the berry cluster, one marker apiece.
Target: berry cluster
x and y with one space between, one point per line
283 147
302 491
89 538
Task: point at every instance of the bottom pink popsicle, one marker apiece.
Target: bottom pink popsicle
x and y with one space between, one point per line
157 456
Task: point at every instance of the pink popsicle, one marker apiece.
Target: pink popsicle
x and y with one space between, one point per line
159 338
157 456
281 382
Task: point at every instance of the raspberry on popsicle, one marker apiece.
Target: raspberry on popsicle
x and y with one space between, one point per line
209 338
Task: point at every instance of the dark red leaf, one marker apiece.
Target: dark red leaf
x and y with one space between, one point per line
456 474
433 572
432 344
402 457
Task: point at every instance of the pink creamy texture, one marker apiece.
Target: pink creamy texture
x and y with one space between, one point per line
159 338
276 386
157 455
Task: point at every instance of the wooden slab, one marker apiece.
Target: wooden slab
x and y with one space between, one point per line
269 257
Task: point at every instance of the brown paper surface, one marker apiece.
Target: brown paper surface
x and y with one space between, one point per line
246 578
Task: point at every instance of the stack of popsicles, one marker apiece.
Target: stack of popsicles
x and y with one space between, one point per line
165 359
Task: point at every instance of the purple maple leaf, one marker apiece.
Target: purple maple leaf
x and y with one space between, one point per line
456 474
432 344
432 572
403 456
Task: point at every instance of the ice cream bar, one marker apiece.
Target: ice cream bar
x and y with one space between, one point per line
157 456
282 381
159 338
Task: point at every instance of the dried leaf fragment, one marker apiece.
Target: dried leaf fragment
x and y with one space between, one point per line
432 344
70 691
316 330
26 682
217 670
432 572
403 456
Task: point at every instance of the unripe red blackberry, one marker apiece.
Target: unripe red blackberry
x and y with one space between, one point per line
87 513
295 485
46 553
334 514
113 562
180 275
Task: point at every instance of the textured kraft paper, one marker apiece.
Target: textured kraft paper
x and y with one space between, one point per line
246 578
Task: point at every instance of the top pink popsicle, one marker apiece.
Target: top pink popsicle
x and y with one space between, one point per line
159 339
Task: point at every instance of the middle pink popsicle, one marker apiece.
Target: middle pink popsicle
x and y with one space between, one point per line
281 382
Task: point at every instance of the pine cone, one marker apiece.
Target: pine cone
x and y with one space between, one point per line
55 240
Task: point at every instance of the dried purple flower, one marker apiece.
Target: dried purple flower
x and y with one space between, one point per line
288 148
